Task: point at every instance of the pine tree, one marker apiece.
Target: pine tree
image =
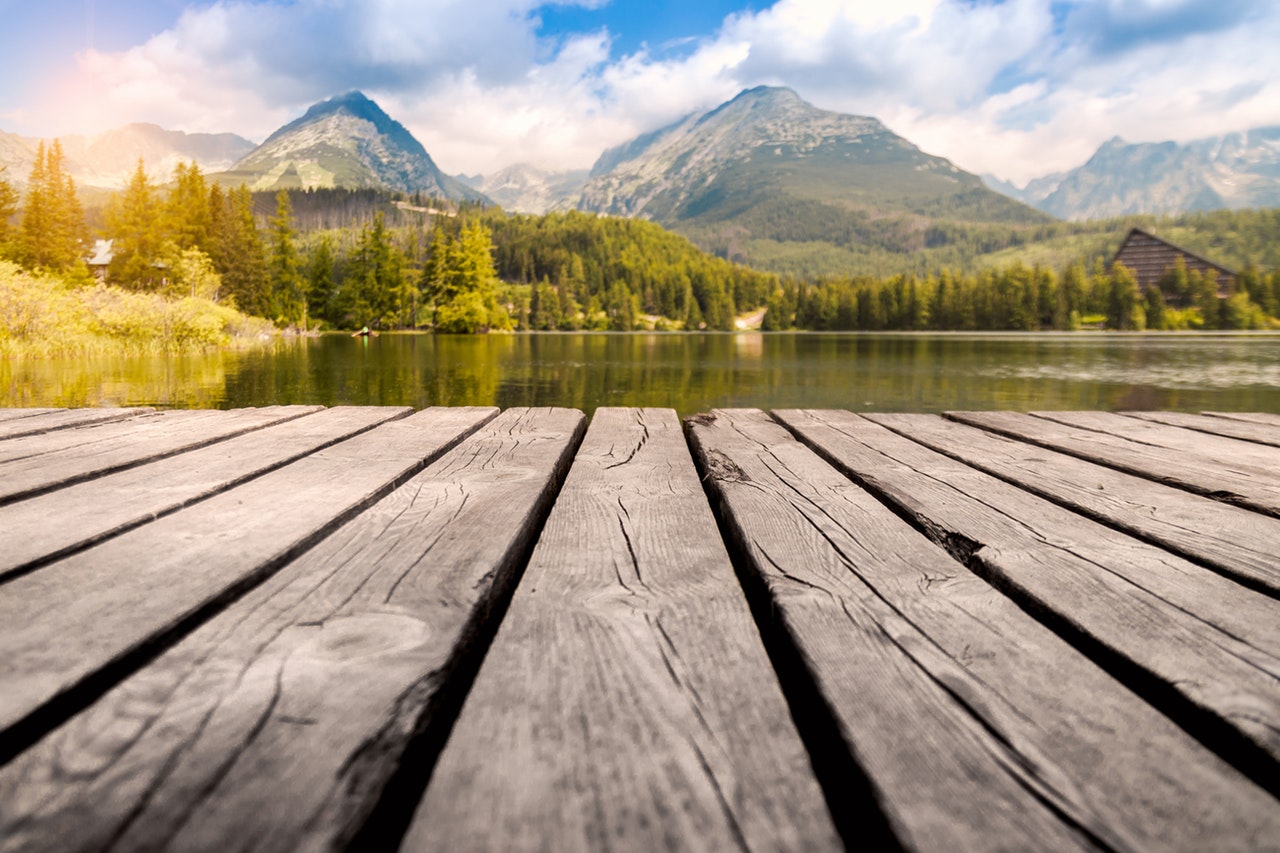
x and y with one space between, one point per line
371 290
288 286
1203 287
1124 311
433 283
9 199
1153 300
461 282
240 257
53 226
619 304
1073 289
321 279
138 243
188 208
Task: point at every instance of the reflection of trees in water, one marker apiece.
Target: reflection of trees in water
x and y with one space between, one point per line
687 372
185 382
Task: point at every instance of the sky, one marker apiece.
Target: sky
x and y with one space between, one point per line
1014 88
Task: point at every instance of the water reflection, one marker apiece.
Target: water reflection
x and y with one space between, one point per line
691 373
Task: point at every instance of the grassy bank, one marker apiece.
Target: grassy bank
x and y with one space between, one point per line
44 315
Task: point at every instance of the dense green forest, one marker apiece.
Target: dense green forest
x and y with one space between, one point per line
581 270
1022 298
352 258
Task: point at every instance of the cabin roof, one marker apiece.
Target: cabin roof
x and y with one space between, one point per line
102 254
1188 254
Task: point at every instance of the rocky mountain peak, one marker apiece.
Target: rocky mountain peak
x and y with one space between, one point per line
756 138
347 141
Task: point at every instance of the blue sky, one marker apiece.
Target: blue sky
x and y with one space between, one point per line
660 24
1018 88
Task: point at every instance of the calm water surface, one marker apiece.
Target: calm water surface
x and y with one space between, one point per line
692 373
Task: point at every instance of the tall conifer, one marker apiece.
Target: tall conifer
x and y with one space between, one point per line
135 228
288 286
188 209
240 257
53 226
9 199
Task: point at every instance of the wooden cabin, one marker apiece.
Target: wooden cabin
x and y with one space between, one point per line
1148 257
100 259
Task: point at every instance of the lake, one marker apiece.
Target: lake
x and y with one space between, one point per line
689 372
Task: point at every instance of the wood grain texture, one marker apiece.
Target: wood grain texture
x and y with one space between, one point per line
97 436
1266 418
627 700
56 419
15 414
1205 643
72 627
1232 482
1225 427
968 715
37 463
91 511
1244 455
1236 542
276 724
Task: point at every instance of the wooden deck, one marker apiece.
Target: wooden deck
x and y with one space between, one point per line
296 628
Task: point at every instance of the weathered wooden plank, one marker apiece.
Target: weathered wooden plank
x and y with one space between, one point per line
1243 455
91 437
1205 646
1237 542
1246 486
978 727
627 691
277 724
1267 418
72 628
56 419
98 509
1224 427
38 463
14 414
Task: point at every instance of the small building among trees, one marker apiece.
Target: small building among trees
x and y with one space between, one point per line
1149 259
100 259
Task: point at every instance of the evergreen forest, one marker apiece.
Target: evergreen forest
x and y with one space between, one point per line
347 259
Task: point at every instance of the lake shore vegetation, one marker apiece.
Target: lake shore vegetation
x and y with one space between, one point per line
166 293
46 315
192 261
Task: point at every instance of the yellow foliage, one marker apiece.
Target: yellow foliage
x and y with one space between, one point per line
45 315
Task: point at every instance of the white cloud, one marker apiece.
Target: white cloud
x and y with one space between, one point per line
1015 87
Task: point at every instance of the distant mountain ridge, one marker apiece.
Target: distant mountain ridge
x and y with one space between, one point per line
107 160
1231 171
345 141
524 188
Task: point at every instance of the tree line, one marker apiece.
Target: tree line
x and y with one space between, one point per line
1024 298
361 258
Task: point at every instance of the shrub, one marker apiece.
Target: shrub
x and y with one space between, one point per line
46 315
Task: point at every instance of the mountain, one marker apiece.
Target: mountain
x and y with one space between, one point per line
768 174
347 141
527 189
1035 191
1233 171
108 160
